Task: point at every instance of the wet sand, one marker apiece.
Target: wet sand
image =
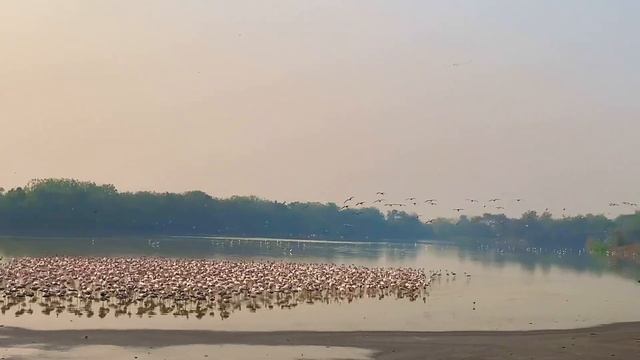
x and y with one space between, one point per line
621 341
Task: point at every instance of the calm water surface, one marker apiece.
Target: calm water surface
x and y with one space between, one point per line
512 289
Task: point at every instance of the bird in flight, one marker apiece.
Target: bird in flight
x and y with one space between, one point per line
518 200
360 203
344 207
460 63
411 198
494 200
457 209
349 199
500 207
380 193
613 204
472 200
379 201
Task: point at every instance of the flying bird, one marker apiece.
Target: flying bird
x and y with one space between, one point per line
494 200
360 203
411 198
380 193
472 200
379 201
349 199
460 63
457 209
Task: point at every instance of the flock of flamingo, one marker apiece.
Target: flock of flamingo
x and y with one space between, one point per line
494 203
186 286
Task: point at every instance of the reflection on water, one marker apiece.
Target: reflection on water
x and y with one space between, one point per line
208 248
530 259
509 288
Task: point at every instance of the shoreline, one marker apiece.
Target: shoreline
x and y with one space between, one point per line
621 340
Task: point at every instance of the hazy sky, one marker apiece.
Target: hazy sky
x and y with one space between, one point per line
316 100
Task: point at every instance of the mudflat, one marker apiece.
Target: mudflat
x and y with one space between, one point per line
621 341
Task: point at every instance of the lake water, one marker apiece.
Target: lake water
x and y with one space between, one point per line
508 289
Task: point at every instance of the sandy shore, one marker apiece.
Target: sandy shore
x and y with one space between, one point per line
616 340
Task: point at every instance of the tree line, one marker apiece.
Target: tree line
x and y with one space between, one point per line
72 207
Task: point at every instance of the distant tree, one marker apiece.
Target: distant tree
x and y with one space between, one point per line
68 206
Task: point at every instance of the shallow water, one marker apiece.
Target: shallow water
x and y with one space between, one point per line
512 289
231 352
